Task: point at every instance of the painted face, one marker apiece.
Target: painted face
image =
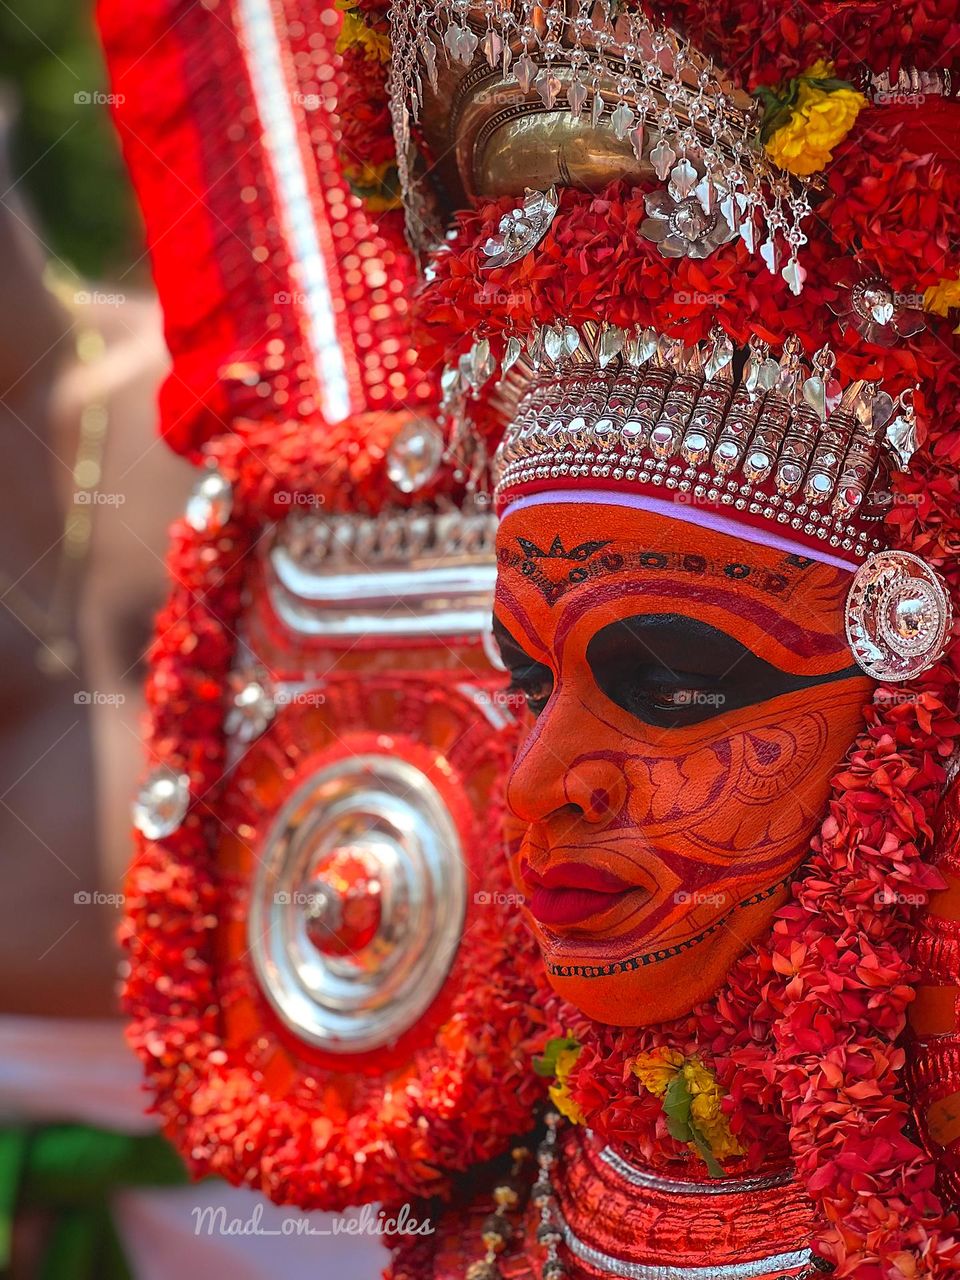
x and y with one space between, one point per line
693 693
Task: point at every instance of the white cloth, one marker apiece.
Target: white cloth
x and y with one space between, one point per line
211 1230
81 1071
75 1070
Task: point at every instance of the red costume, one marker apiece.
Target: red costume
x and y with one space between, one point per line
684 328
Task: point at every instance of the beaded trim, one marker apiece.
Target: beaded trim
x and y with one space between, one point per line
406 539
774 437
675 1186
605 1262
909 82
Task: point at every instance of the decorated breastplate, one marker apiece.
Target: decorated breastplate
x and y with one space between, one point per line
592 1214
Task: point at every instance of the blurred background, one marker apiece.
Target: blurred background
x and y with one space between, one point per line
63 151
88 1189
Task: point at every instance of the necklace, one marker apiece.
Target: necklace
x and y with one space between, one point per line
53 623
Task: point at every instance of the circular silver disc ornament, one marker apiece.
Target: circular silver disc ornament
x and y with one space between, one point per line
898 616
358 902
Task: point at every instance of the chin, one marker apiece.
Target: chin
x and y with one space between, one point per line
634 1005
641 999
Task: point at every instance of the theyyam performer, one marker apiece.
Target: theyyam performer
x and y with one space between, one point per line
646 965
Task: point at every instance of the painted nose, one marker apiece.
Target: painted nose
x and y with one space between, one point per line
555 774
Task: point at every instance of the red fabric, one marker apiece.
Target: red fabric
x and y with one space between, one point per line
231 296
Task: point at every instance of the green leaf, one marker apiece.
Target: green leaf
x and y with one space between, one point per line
547 1065
777 106
714 1168
830 85
676 1107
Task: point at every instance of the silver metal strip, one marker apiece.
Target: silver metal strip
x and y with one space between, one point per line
416 584
443 624
261 50
445 600
611 1266
673 1186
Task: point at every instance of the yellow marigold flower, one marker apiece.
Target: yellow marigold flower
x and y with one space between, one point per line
820 120
706 1113
560 1090
656 1069
942 297
375 44
375 184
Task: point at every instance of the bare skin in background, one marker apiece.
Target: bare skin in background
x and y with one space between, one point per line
70 756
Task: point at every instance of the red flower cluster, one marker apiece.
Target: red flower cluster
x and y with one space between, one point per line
762 40
594 265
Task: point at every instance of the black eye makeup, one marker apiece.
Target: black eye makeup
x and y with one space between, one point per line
530 678
669 670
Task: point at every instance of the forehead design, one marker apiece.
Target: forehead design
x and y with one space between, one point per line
564 568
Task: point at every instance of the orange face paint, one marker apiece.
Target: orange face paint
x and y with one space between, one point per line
694 693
